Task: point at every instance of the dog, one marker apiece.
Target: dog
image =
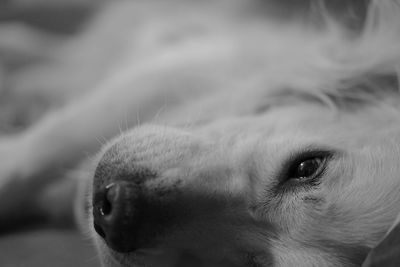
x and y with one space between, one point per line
233 138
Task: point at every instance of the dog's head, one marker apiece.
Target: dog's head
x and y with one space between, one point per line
310 178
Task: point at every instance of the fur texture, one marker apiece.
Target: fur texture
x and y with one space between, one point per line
239 97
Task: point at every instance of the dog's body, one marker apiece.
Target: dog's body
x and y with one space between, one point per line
278 146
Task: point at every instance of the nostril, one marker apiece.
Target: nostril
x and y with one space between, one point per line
115 215
110 194
104 208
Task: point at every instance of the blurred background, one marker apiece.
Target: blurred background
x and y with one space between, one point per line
57 20
51 22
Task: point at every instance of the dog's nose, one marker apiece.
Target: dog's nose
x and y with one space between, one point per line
115 216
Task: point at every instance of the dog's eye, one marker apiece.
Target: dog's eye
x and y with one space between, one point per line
306 167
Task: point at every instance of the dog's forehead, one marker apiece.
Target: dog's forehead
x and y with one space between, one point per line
311 122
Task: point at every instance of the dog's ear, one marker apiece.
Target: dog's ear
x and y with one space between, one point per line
387 252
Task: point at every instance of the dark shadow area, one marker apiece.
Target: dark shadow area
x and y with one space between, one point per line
61 18
50 247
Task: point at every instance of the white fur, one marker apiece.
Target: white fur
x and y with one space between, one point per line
244 92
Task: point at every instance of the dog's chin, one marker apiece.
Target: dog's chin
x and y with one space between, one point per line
173 257
152 257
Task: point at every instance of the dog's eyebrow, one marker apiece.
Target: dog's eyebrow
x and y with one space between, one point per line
285 96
